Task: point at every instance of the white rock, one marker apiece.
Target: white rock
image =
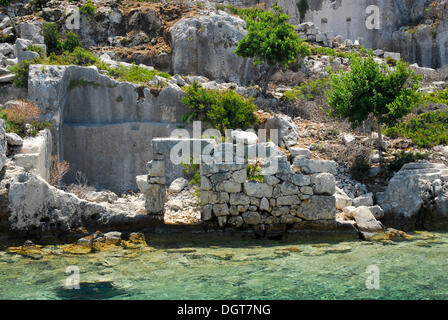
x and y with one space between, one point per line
178 185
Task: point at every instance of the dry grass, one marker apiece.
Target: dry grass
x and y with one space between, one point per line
58 170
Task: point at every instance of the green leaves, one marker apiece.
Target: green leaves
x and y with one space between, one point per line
222 109
271 39
369 88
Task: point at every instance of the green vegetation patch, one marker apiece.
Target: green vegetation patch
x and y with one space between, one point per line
222 109
426 130
307 91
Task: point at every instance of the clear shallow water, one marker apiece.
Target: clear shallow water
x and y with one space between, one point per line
255 269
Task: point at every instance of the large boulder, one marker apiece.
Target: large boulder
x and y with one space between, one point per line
287 130
204 45
417 196
36 206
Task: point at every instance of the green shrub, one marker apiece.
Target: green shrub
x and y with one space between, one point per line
308 90
71 41
426 130
253 172
21 71
88 9
39 4
191 172
391 61
35 48
4 3
439 96
136 74
404 157
52 38
360 167
222 109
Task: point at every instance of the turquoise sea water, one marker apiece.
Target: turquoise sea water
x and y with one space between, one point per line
252 269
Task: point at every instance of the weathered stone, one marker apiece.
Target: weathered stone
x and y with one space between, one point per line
239 176
287 130
156 168
198 42
222 220
157 180
221 209
301 180
229 186
306 190
258 190
178 185
288 200
206 212
264 204
315 166
342 199
205 183
377 211
297 152
251 217
365 220
239 199
219 177
324 183
318 208
244 137
13 139
155 197
236 221
288 188
364 200
271 180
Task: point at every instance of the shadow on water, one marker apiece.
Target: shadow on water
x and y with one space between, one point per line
91 291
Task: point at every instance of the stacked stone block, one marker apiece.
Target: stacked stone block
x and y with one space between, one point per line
290 195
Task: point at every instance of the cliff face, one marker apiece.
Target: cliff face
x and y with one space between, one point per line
415 28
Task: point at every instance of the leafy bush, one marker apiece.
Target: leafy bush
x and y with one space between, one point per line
191 172
404 157
35 48
360 167
391 61
426 130
39 4
439 96
4 3
52 38
307 90
20 115
21 71
222 109
135 74
88 9
71 41
253 172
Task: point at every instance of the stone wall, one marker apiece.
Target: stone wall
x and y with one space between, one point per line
300 195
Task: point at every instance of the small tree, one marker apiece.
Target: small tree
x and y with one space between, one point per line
271 40
52 38
372 89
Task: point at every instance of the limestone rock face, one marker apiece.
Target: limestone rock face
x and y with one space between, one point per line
417 195
205 46
2 144
85 107
36 205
